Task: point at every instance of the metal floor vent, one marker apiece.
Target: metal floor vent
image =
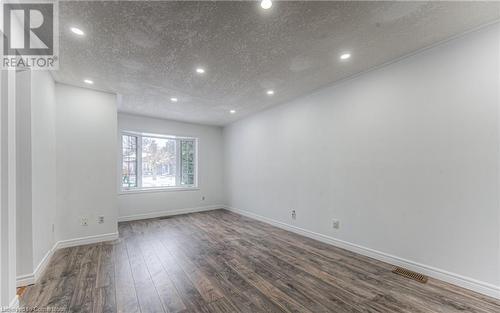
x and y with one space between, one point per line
409 274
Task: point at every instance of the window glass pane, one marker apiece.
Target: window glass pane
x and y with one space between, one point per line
187 162
129 161
158 162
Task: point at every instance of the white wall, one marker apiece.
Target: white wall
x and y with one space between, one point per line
86 162
405 156
43 163
7 188
24 242
36 168
54 190
210 170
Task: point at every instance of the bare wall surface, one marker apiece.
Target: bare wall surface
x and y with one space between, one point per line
210 169
7 187
43 148
86 161
24 218
36 168
406 157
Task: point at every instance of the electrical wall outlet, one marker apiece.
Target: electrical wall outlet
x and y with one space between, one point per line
294 215
53 227
84 221
336 224
100 219
202 198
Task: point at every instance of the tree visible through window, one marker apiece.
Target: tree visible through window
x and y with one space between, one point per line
187 162
129 161
158 162
163 162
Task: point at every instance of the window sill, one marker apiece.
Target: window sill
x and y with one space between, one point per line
148 190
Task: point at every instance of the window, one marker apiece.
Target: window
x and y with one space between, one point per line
129 162
158 161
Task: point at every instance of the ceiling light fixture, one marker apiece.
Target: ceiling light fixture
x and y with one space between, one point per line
232 111
200 70
88 81
266 4
345 56
77 31
174 99
270 92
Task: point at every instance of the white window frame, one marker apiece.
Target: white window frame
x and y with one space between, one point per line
178 174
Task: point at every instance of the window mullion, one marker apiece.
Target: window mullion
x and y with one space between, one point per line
191 149
139 161
120 178
178 163
195 160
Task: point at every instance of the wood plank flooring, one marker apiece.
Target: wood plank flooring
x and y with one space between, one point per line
219 261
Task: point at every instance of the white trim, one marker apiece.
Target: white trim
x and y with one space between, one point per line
452 278
160 189
14 304
25 280
30 279
168 213
498 162
85 240
139 188
42 266
146 134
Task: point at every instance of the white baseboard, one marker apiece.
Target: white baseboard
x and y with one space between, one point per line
136 217
29 279
85 240
452 278
25 280
43 264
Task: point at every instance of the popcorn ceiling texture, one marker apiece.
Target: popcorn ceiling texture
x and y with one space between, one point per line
147 51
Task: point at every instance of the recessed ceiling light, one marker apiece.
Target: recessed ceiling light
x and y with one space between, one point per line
200 70
270 92
266 4
174 99
88 81
345 56
232 111
77 31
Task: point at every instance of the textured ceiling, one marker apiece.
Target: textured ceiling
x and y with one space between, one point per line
148 51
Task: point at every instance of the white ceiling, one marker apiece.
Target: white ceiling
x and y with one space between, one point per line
147 51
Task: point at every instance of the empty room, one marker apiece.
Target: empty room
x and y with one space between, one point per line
250 156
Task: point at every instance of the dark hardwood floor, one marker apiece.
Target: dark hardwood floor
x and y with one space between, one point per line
219 261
